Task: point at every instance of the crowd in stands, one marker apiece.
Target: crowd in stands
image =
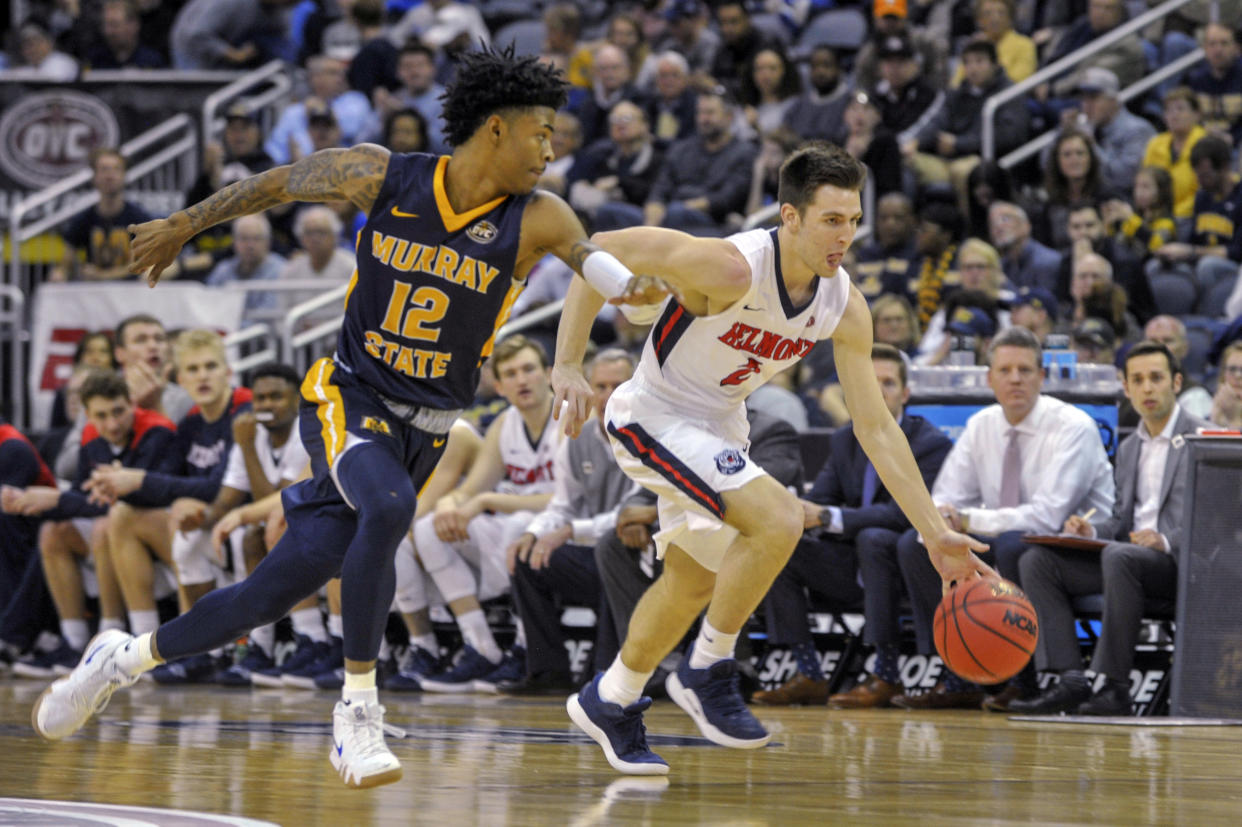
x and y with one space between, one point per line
1121 239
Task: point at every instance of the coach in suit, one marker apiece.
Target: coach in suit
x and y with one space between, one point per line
852 523
1141 561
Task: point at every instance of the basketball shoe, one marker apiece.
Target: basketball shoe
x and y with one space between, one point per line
618 730
306 653
512 667
713 698
470 666
69 702
359 753
417 664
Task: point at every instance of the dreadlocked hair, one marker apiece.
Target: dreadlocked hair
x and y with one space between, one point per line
489 81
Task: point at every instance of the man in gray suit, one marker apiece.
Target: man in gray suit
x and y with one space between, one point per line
1141 561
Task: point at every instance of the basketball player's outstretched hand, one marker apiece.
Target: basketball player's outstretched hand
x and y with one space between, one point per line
953 556
154 246
645 290
573 398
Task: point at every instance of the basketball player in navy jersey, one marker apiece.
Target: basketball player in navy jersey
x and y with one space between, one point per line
445 251
746 308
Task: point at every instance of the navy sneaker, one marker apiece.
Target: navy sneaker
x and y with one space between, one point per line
333 658
470 666
331 679
512 668
57 662
418 664
199 668
713 698
619 731
242 673
304 653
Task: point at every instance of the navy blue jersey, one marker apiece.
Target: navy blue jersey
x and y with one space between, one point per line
20 466
204 451
1219 222
150 447
431 289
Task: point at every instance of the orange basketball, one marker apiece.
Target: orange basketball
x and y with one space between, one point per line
985 630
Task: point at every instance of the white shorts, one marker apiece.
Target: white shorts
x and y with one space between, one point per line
687 462
197 562
484 552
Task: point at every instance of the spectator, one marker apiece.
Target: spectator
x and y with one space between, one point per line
774 148
1072 176
740 41
986 184
1092 287
566 140
949 143
97 240
1147 225
405 130
1143 532
770 85
852 524
94 350
935 270
230 34
671 110
1218 82
895 323
618 171
1215 245
1120 136
1124 58
553 560
979 266
1052 464
818 113
625 31
317 230
1027 262
1171 149
290 139
1015 52
873 143
40 59
610 86
142 351
703 178
1086 234
689 36
881 264
122 47
252 260
907 101
889 19
374 65
424 16
1227 402
322 126
1034 308
416 69
1094 342
562 24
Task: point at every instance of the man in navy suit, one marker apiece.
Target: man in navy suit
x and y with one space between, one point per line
851 523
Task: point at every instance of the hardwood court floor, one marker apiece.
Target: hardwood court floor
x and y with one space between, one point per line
493 761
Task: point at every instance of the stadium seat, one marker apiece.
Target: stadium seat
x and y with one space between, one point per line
773 27
1174 295
1199 335
527 37
1212 302
839 28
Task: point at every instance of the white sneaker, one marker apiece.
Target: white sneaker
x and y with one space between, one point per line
69 702
359 753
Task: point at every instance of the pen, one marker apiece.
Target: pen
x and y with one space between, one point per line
1090 513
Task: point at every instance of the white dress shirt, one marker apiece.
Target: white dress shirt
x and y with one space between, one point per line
1064 469
1153 457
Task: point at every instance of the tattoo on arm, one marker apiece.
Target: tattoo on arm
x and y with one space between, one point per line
578 253
250 195
340 175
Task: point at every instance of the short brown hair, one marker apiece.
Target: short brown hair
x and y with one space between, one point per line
104 152
1146 348
1017 337
510 346
816 165
104 384
1230 349
888 353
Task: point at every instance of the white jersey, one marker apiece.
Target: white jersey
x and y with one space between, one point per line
283 463
528 466
708 365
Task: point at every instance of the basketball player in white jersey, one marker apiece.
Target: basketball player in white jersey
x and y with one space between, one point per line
744 308
509 482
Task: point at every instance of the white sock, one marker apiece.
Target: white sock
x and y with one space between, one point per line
76 633
427 643
520 638
621 684
711 646
385 651
106 623
360 688
309 622
265 638
336 627
135 657
476 632
143 621
46 642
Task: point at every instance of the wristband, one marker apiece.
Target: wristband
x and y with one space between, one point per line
606 274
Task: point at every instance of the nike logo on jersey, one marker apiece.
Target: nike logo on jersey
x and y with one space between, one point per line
436 443
399 214
756 309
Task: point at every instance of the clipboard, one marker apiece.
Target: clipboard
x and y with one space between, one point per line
1070 541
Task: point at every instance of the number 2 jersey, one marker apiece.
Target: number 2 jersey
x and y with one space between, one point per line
431 289
708 365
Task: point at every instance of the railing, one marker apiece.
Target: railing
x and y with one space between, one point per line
13 327
165 173
296 344
1036 145
1060 67
261 91
242 357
